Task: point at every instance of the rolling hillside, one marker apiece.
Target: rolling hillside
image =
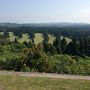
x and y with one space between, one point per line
37 39
25 37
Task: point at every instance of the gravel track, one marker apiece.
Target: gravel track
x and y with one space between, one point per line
49 75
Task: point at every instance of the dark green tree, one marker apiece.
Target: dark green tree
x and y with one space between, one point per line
73 48
86 45
57 44
63 44
81 46
49 48
46 38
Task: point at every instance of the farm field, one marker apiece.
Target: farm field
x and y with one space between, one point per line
67 39
38 38
51 38
25 37
1 33
12 36
15 82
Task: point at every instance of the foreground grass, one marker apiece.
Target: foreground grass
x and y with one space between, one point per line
15 82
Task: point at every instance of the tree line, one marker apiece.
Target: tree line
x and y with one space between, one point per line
80 46
60 57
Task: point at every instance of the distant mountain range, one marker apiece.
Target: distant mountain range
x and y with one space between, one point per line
61 24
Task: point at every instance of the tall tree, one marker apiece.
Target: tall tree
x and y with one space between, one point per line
63 44
86 44
46 38
81 46
73 48
49 48
57 44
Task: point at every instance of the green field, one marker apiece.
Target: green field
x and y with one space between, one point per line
15 82
67 39
25 37
12 36
38 38
51 38
1 33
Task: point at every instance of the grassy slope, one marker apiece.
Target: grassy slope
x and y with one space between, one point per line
51 38
1 33
25 37
67 39
38 38
23 83
12 36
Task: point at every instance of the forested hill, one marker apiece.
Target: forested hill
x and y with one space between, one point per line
64 50
65 29
61 24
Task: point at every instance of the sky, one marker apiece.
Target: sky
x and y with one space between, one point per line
44 11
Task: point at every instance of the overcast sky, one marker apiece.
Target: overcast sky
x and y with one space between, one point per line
42 11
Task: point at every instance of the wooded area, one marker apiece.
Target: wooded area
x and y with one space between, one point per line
61 56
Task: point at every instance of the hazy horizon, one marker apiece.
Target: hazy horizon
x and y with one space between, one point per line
45 11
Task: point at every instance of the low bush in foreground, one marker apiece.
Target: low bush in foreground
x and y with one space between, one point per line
63 64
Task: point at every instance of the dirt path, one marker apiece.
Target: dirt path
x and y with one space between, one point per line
51 75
